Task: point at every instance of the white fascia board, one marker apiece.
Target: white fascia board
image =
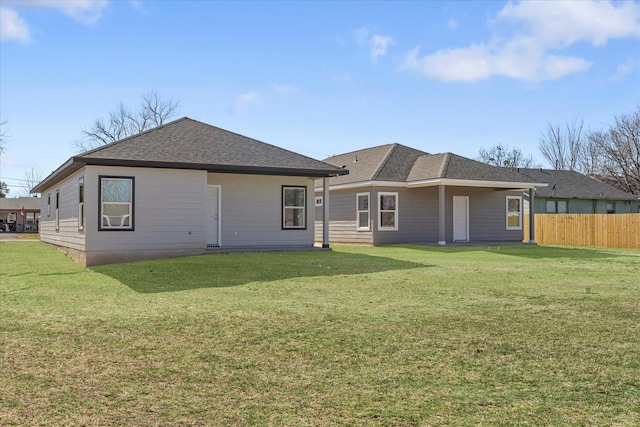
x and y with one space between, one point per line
474 183
438 181
363 184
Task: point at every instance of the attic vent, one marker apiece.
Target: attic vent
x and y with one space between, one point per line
212 246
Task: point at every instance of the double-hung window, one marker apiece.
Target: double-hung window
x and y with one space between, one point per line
514 213
81 204
362 212
387 211
294 207
116 203
57 210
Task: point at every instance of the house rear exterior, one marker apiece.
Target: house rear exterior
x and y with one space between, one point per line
397 194
180 189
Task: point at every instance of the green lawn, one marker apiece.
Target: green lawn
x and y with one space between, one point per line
389 336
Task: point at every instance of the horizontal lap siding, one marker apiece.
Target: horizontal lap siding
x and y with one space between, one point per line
68 234
418 215
251 210
342 216
488 214
169 208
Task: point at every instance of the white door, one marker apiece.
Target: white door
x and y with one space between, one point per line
213 216
460 218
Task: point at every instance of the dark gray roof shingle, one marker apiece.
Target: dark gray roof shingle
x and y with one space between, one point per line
398 163
573 185
189 144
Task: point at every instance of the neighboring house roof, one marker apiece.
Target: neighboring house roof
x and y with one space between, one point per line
190 144
17 203
398 163
573 185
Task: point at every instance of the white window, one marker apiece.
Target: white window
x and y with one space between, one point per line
116 203
57 210
611 207
362 212
81 204
318 200
387 211
514 213
294 207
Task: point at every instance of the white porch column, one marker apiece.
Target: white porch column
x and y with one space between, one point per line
441 218
325 212
532 216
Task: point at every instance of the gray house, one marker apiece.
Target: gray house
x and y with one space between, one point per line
573 192
397 194
179 189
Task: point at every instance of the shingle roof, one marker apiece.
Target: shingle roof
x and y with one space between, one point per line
398 163
573 185
17 203
189 144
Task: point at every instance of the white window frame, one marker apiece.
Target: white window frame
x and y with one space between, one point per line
555 206
381 211
519 226
611 207
49 204
81 204
57 212
120 221
303 226
361 227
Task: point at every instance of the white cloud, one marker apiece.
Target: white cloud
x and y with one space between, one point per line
532 50
13 27
244 101
379 45
452 24
86 11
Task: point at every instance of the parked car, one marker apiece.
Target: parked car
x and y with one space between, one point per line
3 225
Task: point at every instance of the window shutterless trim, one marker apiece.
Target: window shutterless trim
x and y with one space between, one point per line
131 203
381 211
519 226
360 227
284 208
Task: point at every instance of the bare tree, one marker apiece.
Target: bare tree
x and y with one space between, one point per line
502 156
615 153
3 135
123 122
31 178
562 146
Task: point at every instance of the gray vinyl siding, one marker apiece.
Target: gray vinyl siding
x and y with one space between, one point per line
168 215
67 234
251 211
342 218
418 215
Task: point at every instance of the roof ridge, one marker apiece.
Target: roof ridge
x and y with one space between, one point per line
384 162
445 165
111 144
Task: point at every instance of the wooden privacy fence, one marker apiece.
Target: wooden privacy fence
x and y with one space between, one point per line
606 230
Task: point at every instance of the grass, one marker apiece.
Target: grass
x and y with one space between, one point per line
389 336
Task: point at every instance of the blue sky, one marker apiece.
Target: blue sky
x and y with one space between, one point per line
318 78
